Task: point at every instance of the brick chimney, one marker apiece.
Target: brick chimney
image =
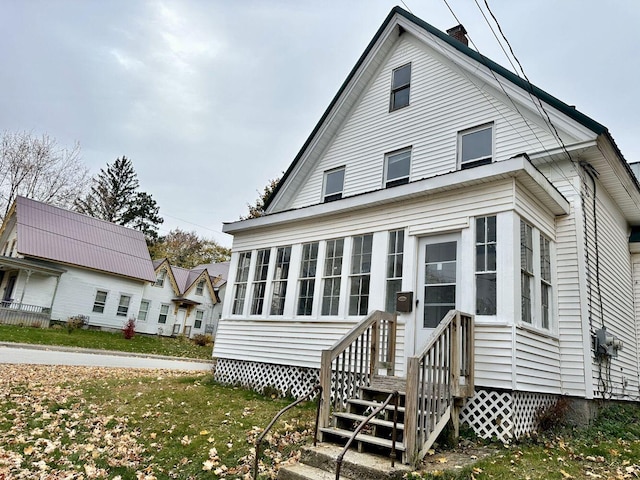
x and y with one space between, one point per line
459 33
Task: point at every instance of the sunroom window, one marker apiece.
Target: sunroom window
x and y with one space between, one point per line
486 242
242 276
307 278
360 274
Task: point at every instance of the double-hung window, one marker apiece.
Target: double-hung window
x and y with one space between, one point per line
333 184
486 242
360 274
280 278
400 87
307 278
395 254
200 287
100 301
545 282
475 146
164 313
260 281
332 276
397 168
242 276
198 321
123 305
162 274
526 271
143 312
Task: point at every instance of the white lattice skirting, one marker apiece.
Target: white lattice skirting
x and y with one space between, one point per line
287 380
504 415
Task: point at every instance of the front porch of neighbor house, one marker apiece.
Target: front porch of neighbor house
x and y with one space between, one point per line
28 288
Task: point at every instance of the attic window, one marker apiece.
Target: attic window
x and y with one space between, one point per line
200 287
400 83
162 274
333 184
476 146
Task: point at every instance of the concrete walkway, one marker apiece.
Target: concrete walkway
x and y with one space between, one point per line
54 355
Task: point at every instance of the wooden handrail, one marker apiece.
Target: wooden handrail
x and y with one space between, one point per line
341 345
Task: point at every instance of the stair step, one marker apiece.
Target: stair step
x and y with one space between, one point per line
371 403
389 384
301 471
374 421
380 389
361 437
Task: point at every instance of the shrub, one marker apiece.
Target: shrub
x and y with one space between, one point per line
76 322
202 340
129 329
553 416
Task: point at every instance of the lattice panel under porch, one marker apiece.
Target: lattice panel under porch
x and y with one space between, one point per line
490 415
526 408
288 380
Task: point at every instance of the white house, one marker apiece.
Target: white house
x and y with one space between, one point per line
437 173
180 301
58 264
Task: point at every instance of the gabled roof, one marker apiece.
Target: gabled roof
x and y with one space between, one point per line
62 236
184 279
218 271
392 26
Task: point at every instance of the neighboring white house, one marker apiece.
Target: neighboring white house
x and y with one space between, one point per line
180 301
436 172
56 264
64 264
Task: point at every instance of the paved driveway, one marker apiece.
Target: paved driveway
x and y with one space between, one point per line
41 355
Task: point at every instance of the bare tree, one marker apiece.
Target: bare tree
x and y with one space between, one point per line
37 167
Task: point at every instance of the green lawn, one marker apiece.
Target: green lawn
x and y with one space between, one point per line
151 344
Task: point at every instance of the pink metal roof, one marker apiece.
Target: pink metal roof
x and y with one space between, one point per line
60 235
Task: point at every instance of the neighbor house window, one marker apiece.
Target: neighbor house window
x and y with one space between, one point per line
162 274
307 278
332 273
144 310
242 276
397 168
164 313
260 281
333 184
526 270
395 254
360 274
400 83
100 301
545 282
486 241
123 306
200 287
476 146
280 276
198 321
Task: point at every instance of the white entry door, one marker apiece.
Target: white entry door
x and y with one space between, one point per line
438 274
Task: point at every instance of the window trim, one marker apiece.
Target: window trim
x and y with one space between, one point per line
260 279
146 311
395 89
241 282
330 197
200 287
477 161
398 180
102 304
485 271
279 285
196 319
359 274
160 278
123 310
307 283
165 314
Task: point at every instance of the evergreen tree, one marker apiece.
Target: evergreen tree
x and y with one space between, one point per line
257 209
114 197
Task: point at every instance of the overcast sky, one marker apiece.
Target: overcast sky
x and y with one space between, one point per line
211 99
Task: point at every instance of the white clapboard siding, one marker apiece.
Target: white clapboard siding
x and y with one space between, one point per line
443 102
616 289
532 210
493 356
279 342
38 291
77 291
537 362
438 209
635 258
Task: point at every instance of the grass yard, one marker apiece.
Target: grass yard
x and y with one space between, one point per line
80 423
151 344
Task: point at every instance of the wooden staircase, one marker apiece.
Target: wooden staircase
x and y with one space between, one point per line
357 379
